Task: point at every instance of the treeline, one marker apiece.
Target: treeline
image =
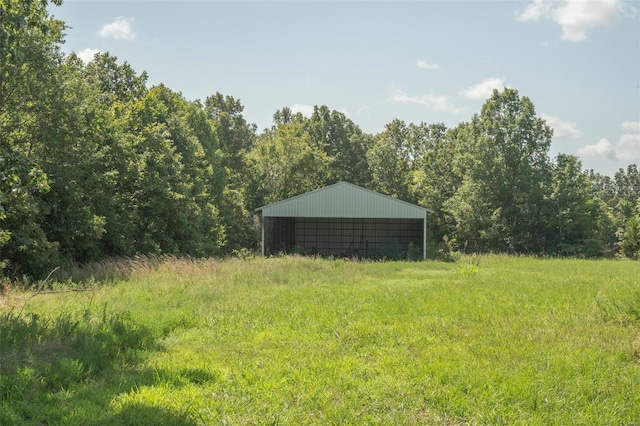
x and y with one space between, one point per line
94 164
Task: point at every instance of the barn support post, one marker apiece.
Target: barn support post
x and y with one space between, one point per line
424 238
262 228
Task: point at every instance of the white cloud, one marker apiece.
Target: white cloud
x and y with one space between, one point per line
603 148
630 138
576 17
87 54
562 129
534 11
424 65
484 89
120 29
633 126
435 102
626 149
303 109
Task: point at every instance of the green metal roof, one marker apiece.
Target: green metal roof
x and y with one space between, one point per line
344 200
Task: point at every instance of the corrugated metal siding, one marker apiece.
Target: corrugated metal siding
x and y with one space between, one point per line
344 200
356 237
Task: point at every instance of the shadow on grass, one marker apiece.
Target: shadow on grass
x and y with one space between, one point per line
70 370
139 414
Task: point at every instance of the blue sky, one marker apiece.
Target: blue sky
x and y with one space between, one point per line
430 61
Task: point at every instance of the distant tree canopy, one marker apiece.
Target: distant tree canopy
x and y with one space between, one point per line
94 163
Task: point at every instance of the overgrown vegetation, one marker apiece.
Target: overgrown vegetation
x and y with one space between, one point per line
292 340
626 309
631 238
95 164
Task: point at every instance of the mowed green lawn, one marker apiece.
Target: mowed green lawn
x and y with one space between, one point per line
490 340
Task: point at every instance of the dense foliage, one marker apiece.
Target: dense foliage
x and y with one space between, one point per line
94 163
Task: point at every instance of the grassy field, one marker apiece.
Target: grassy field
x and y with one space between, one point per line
489 340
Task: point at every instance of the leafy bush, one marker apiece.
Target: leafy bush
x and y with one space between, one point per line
391 249
443 250
471 267
631 238
589 248
245 253
414 253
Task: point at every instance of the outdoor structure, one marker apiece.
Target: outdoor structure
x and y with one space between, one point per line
343 220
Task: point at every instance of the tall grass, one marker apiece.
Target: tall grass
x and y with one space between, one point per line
292 340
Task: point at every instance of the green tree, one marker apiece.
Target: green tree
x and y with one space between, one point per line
171 196
116 82
29 37
390 161
29 56
627 191
285 116
343 142
286 163
235 138
238 221
620 194
69 152
580 221
24 247
631 238
501 203
434 173
234 135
